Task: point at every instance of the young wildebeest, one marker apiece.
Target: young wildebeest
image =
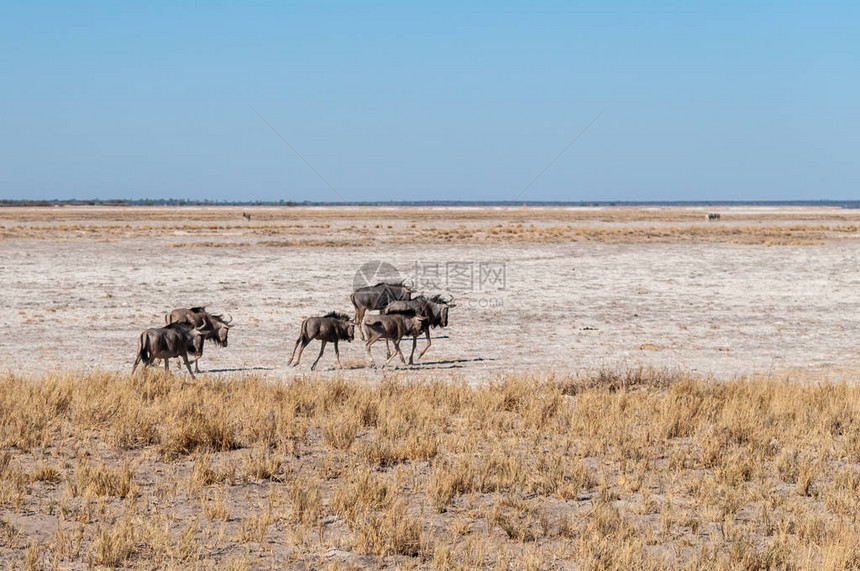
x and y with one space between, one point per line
394 327
199 317
376 297
434 309
331 327
168 342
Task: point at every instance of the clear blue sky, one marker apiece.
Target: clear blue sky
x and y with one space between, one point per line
703 101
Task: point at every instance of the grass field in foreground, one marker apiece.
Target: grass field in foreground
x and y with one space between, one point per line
636 469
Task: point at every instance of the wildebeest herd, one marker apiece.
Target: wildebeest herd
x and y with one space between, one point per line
400 316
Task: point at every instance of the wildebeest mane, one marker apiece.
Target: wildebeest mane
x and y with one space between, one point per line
216 317
198 309
339 316
396 284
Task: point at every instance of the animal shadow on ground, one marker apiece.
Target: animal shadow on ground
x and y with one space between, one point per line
448 364
238 370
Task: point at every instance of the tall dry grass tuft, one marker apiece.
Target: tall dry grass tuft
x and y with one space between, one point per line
637 469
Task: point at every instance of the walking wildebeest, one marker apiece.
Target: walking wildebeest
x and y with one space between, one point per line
713 216
434 309
395 326
376 297
167 342
331 327
198 317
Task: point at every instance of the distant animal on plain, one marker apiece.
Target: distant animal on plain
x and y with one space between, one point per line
713 216
246 216
434 309
198 317
377 297
393 326
168 342
329 328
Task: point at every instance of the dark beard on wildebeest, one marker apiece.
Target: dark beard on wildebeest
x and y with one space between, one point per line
376 297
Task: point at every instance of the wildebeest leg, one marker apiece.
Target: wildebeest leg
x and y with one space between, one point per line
414 343
187 365
136 361
421 354
372 337
337 355
359 319
322 348
305 342
387 349
296 346
396 352
166 368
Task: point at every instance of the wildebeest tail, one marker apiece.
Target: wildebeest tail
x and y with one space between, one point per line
143 349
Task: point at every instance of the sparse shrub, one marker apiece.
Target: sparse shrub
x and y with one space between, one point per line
261 464
305 499
389 532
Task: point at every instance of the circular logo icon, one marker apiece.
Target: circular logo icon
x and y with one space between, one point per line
375 272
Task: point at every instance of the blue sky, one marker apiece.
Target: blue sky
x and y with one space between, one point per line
700 101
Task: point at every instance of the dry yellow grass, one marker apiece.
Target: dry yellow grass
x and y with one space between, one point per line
633 470
196 227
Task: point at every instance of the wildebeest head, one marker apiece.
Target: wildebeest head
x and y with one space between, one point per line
195 343
220 329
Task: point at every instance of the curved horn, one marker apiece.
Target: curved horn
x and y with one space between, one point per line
206 327
228 322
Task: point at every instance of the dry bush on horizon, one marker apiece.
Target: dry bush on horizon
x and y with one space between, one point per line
291 227
635 469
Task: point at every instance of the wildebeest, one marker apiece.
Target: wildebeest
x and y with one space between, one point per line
198 317
174 340
434 309
377 297
393 326
713 216
331 327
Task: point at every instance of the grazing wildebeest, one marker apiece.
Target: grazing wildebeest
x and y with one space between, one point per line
713 216
434 309
394 326
198 317
377 297
167 342
331 327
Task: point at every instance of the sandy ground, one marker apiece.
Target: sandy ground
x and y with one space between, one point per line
718 309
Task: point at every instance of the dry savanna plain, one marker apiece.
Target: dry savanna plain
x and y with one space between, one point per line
617 388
